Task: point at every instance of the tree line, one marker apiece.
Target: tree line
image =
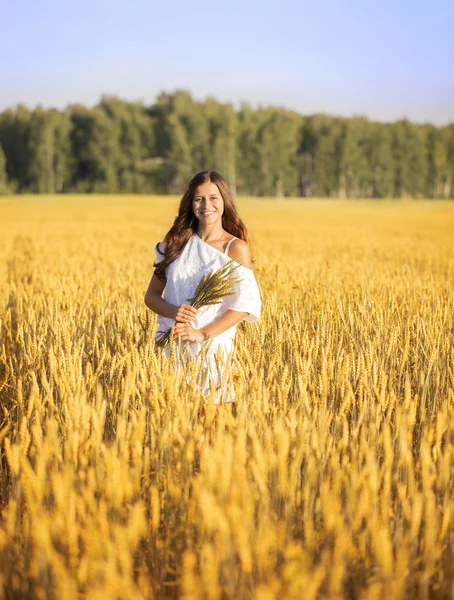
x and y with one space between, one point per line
128 147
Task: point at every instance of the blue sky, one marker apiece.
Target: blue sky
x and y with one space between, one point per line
385 60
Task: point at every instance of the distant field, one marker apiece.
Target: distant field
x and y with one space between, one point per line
333 478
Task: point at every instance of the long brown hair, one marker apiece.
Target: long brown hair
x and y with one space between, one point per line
186 223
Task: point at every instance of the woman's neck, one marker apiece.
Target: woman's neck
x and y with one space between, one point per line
209 233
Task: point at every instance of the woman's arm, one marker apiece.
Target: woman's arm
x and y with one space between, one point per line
153 299
186 331
224 322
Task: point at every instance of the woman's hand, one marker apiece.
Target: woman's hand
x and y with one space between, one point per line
185 313
185 331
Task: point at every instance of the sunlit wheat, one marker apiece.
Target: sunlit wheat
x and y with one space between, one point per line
331 477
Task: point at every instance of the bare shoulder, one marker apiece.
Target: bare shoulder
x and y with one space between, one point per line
239 251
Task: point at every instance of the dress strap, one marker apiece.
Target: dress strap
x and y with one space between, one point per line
228 245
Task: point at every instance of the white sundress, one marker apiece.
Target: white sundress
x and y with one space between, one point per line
183 275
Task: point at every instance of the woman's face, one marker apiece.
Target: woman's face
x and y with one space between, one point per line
207 203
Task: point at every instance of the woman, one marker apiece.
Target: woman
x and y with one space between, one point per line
205 235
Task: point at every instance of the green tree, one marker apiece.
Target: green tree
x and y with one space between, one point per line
278 141
381 161
410 160
248 176
440 162
222 121
355 173
135 142
5 187
448 137
15 138
322 140
96 151
49 167
182 139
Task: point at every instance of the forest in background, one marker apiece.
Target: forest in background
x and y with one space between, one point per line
119 146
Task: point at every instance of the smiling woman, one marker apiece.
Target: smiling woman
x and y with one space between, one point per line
207 233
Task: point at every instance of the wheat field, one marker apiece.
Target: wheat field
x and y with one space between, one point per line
332 476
